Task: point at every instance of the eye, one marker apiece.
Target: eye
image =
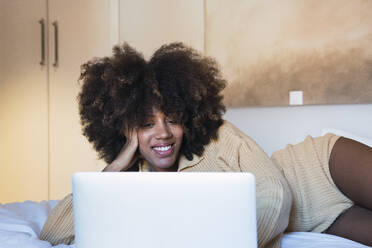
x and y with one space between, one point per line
147 125
173 121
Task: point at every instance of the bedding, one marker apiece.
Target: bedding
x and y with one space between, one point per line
21 223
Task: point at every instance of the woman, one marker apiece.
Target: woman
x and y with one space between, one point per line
165 114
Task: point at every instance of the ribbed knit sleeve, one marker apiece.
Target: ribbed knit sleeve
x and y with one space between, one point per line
274 197
59 227
273 208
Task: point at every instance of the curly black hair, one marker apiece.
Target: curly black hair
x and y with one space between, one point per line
118 91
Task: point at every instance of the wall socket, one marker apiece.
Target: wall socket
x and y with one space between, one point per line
296 97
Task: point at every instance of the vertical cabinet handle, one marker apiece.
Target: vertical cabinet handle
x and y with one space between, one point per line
55 25
42 26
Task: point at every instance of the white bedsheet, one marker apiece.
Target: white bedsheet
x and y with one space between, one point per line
21 223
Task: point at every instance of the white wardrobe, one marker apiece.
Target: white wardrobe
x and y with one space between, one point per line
42 45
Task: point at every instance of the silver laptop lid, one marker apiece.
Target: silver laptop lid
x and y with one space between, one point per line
164 210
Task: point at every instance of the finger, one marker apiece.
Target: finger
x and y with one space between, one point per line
126 132
134 135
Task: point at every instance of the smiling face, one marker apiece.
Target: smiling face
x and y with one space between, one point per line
160 140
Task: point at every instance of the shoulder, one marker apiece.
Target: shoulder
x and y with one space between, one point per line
228 142
227 128
238 150
229 134
222 152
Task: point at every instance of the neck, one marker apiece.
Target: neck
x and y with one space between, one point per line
173 168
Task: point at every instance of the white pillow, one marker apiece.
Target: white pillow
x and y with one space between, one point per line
365 140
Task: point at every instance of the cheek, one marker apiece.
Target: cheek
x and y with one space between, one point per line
178 133
144 151
142 141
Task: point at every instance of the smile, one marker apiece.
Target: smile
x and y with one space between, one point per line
164 150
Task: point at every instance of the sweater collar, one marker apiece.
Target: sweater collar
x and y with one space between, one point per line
183 163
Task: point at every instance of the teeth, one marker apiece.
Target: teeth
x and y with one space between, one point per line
162 148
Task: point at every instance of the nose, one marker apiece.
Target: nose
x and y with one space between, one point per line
163 131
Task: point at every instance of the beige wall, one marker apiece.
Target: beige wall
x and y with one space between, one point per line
148 24
268 48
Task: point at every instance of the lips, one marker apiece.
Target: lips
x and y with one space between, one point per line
163 150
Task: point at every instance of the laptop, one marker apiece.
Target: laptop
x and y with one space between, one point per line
164 210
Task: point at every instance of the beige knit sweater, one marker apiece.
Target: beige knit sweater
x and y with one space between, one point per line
233 151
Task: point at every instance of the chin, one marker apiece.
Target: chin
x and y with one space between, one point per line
163 167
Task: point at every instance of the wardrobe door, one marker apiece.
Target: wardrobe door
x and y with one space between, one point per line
23 101
79 30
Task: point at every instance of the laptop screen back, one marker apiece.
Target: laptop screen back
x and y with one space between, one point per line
164 210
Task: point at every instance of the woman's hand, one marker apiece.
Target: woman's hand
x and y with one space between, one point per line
127 155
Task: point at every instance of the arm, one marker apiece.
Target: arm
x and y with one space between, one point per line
127 155
274 198
350 166
59 227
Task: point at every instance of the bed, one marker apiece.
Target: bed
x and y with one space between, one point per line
21 223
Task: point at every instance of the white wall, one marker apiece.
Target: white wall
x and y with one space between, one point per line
272 128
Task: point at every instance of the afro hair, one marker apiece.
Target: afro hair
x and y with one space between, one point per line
118 91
